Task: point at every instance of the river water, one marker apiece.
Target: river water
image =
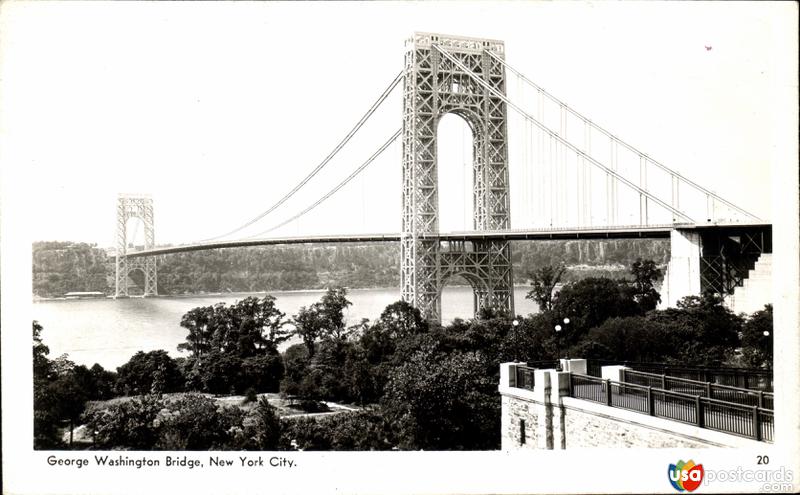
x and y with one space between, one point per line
109 332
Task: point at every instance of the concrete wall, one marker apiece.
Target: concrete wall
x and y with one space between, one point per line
589 424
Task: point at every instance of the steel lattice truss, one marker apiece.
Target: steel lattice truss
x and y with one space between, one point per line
142 208
433 87
729 254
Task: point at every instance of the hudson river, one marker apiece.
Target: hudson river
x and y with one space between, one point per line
109 332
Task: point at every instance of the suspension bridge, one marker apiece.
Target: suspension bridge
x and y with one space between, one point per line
566 177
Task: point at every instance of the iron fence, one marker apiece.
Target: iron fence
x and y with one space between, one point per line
725 393
737 419
523 377
749 378
544 364
588 387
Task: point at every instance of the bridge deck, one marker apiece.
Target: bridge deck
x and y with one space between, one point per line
621 232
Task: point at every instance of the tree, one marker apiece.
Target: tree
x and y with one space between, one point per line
261 325
201 323
632 338
401 319
129 424
60 400
363 430
645 274
60 392
757 339
532 339
104 382
705 332
150 372
263 432
544 281
222 373
309 324
588 303
235 347
42 369
262 373
195 422
333 304
295 361
443 402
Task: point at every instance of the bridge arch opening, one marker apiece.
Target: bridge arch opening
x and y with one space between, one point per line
458 296
134 233
455 173
136 281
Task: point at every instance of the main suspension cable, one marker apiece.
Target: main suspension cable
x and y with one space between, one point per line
335 189
322 164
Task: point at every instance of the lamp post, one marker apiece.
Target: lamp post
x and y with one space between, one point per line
558 329
515 337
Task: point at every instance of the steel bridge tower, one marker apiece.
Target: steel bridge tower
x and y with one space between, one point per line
433 87
135 206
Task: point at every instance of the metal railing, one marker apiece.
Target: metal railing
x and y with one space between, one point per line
725 393
705 412
749 378
544 364
523 377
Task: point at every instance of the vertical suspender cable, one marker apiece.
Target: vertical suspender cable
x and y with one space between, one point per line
614 198
554 136
540 162
709 208
588 150
642 220
564 181
628 146
609 180
550 179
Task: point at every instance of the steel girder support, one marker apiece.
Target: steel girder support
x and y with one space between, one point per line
434 86
487 266
135 207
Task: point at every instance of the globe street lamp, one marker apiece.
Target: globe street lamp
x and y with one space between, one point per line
558 348
515 337
558 328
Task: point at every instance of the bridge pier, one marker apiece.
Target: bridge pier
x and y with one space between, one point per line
682 277
719 258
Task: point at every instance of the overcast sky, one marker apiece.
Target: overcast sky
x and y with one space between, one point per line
217 109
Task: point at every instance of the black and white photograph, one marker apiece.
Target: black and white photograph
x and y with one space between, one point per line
399 247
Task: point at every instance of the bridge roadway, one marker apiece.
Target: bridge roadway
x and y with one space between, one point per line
618 232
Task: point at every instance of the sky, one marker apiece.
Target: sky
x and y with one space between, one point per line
217 109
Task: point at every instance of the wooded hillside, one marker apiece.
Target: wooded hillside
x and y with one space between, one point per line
61 267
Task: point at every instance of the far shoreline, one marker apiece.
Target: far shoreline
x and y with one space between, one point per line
38 299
